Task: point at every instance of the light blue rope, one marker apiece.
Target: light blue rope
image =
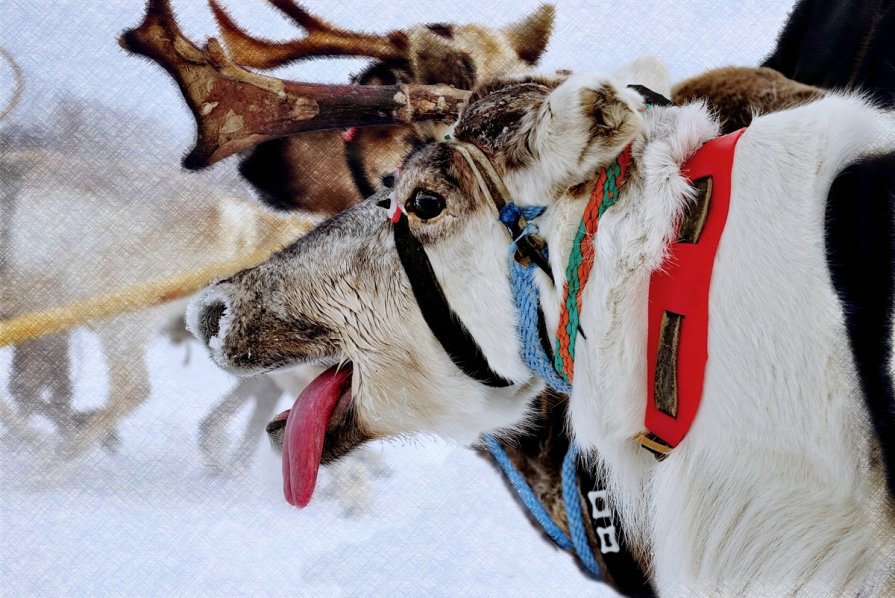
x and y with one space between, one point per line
533 353
526 494
525 291
574 514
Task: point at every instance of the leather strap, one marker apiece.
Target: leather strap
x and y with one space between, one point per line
447 327
677 344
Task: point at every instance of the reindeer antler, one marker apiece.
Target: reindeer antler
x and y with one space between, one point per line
323 39
236 109
20 83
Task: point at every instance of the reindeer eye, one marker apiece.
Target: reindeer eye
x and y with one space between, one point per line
388 180
425 204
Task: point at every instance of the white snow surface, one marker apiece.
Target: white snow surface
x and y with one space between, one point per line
149 520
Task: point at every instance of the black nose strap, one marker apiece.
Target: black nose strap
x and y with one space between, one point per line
650 97
441 319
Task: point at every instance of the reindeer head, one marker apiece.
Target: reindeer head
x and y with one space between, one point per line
323 172
346 292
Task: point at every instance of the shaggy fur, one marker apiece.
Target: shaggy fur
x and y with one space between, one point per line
777 488
736 94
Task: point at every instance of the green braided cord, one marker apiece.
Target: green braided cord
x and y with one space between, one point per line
610 197
574 284
610 187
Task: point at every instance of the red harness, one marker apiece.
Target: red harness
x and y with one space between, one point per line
679 305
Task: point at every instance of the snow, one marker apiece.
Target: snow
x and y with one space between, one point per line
149 520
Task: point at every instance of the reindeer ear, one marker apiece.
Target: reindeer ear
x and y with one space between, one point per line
583 125
613 119
529 37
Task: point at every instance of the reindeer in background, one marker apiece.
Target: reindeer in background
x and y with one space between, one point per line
74 236
327 171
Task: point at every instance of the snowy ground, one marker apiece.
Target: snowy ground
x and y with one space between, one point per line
149 521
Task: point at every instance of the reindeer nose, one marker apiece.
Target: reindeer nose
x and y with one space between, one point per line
209 321
208 317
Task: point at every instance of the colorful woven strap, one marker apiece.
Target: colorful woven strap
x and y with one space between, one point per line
581 260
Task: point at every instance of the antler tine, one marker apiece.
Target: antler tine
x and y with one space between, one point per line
236 109
322 39
301 16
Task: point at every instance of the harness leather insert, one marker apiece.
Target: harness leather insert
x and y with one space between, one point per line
696 213
665 389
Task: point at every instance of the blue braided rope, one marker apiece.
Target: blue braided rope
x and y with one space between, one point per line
574 514
526 494
525 291
533 353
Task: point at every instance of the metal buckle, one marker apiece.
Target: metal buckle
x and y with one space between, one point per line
655 445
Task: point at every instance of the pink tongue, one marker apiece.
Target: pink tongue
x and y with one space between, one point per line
305 431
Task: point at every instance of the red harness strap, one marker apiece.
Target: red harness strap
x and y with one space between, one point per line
679 304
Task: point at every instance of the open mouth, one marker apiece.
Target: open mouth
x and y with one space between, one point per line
301 431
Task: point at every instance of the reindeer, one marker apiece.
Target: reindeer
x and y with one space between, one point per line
839 46
781 455
734 93
323 172
313 165
60 177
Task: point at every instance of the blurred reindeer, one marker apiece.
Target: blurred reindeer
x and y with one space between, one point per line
33 378
89 222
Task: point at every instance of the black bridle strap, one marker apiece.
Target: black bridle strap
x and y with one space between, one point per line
650 97
447 327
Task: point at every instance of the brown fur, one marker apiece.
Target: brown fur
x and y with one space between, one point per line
493 115
736 94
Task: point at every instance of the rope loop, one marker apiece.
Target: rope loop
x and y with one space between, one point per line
526 295
527 298
526 494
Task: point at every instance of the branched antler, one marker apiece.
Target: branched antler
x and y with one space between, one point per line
323 39
236 109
